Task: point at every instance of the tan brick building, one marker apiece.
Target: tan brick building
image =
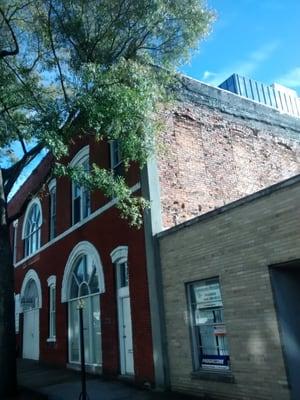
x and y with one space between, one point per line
231 290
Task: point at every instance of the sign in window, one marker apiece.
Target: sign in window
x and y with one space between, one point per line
209 335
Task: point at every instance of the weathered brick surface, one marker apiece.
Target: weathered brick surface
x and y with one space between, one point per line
218 147
238 245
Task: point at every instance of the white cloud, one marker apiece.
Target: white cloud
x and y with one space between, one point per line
245 67
290 79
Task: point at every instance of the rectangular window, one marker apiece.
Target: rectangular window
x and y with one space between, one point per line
53 213
81 198
209 340
52 312
15 233
17 312
123 274
76 209
116 163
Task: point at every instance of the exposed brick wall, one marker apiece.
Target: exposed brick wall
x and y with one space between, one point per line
237 245
217 150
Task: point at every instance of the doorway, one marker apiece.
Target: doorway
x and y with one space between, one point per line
124 320
31 314
286 287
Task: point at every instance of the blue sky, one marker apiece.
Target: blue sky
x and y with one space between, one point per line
256 38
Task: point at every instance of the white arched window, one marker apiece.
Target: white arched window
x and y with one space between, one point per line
80 194
83 279
32 227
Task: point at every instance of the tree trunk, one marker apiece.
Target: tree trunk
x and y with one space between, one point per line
8 381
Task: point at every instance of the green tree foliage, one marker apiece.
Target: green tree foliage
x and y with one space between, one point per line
86 67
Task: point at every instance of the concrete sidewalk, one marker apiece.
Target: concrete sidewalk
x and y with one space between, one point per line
63 384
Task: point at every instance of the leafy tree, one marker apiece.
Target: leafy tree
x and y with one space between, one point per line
83 67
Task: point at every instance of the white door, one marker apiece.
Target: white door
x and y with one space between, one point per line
91 331
31 335
127 337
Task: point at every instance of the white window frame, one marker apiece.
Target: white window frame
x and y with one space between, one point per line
52 308
80 158
216 326
15 238
36 234
81 249
17 312
112 146
53 208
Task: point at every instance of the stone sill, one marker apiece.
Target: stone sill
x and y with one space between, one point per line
226 377
51 340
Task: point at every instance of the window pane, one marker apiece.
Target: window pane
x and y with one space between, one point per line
76 209
85 203
52 327
53 213
74 332
123 271
74 289
96 332
210 346
84 290
93 281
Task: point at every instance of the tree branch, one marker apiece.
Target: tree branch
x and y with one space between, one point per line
21 80
6 110
12 173
6 53
61 78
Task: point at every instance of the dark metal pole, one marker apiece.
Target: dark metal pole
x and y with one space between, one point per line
83 394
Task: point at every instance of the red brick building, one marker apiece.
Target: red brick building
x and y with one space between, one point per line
70 244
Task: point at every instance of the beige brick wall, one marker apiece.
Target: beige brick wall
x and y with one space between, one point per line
237 245
211 157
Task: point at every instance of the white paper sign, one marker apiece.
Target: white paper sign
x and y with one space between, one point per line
208 296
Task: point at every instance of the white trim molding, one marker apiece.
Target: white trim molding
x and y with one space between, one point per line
81 248
37 201
83 153
119 254
15 238
31 274
51 184
51 281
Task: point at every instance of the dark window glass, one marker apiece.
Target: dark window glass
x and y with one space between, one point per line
123 271
209 336
77 203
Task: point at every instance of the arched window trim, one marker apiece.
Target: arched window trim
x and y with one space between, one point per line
51 281
82 248
119 255
80 156
35 201
31 274
28 209
52 184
